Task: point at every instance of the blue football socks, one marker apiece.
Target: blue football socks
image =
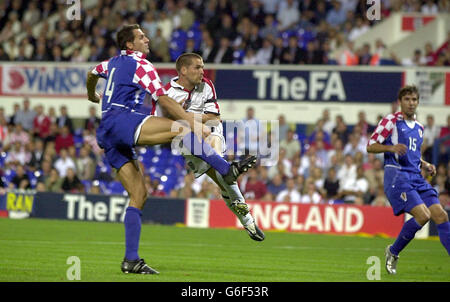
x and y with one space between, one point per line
205 152
132 223
444 235
407 234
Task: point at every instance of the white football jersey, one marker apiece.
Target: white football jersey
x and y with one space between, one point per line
202 99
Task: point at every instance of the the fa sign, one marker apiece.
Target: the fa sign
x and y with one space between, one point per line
74 11
374 11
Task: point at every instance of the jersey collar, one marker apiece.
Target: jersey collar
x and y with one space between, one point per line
128 52
174 84
399 116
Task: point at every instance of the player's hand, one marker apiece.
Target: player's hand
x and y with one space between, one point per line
201 130
399 149
430 169
94 98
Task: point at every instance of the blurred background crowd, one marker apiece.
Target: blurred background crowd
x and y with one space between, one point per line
322 163
222 31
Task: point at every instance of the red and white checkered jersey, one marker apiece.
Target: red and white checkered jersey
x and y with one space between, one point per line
129 76
202 99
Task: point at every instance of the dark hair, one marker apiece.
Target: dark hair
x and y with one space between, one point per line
126 34
408 89
186 60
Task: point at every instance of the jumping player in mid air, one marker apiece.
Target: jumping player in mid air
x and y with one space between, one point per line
399 136
129 76
197 95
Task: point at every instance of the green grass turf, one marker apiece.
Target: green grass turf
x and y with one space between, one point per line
37 250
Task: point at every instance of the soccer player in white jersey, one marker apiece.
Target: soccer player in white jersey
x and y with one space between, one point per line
399 136
124 125
197 95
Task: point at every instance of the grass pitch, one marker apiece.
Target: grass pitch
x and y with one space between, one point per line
36 250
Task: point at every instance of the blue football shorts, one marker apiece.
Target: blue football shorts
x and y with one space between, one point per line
405 190
117 134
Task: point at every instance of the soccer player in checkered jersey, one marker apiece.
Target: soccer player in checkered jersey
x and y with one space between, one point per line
129 76
197 95
399 136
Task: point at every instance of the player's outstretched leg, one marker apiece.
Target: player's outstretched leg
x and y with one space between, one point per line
133 181
236 203
440 217
391 261
158 130
229 172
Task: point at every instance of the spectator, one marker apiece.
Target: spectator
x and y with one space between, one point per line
64 162
416 60
64 139
250 57
277 51
291 145
445 133
359 29
283 127
53 183
365 57
430 134
276 185
288 15
293 54
224 53
85 165
429 8
331 185
254 188
21 179
64 119
25 116
92 122
13 117
349 56
37 154
41 123
269 30
353 190
71 183
290 194
17 156
264 54
311 195
337 15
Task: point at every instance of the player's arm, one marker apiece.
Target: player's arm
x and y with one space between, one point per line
381 133
206 117
91 84
99 71
399 149
429 168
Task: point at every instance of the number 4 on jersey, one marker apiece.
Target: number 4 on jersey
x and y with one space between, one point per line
110 85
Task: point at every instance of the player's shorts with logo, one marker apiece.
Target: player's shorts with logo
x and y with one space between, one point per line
197 165
116 135
405 190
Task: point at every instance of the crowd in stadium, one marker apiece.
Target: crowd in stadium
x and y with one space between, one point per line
222 31
327 163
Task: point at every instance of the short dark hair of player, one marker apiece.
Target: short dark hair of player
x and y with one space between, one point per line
409 89
126 34
186 60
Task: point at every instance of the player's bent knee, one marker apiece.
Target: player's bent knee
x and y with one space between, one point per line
440 217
